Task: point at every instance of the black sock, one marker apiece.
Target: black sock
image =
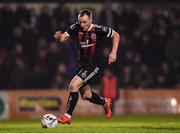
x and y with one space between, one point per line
96 99
72 101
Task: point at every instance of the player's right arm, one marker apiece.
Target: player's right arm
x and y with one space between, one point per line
61 36
71 31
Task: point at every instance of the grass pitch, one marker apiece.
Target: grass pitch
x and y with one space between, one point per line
98 124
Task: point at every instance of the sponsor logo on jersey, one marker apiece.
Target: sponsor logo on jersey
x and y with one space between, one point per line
85 44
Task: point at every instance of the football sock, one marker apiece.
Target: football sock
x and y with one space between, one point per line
96 99
72 101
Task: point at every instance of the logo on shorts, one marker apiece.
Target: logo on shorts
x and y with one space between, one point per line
93 36
83 75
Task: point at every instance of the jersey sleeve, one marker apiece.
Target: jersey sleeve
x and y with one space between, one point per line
72 30
106 31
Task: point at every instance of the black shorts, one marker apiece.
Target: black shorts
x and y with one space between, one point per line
86 73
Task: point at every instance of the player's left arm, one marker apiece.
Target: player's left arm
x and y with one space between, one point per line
113 54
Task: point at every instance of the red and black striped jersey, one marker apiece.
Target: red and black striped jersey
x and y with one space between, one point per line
89 41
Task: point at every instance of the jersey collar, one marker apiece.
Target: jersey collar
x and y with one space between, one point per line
90 27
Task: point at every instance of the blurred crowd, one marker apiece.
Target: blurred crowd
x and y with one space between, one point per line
148 56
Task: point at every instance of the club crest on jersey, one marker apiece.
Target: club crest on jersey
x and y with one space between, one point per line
93 36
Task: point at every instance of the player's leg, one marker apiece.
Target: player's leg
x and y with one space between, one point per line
88 94
87 75
74 86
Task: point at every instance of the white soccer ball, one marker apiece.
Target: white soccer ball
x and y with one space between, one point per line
49 121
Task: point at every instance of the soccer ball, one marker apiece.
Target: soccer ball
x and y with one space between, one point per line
49 121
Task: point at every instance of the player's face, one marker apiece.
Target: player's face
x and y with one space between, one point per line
85 22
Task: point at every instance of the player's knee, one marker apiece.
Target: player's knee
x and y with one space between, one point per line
73 87
87 95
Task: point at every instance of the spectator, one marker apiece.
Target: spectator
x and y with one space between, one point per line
60 80
108 15
19 74
62 16
7 24
109 87
44 24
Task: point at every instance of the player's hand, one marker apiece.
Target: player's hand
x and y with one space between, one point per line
112 57
58 35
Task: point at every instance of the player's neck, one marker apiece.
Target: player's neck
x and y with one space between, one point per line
90 26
